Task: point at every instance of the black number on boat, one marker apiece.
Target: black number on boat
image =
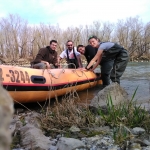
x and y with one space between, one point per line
17 79
12 78
22 76
27 77
1 75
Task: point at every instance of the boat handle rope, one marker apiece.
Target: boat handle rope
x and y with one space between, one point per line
63 70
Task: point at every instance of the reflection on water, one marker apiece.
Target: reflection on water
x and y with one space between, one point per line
87 95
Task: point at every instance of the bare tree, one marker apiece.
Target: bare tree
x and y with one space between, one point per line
20 40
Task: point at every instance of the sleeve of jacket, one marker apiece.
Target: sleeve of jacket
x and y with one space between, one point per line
40 56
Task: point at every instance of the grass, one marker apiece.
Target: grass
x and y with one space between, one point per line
124 116
68 113
127 113
120 118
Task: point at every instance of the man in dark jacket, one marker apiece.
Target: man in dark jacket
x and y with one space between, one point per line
88 51
46 56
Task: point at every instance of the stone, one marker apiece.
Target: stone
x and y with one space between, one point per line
33 138
117 93
69 143
138 130
34 118
6 115
74 129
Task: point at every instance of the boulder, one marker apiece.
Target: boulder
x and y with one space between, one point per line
6 115
117 93
33 138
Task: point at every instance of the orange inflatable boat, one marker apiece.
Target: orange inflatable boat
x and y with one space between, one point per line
32 85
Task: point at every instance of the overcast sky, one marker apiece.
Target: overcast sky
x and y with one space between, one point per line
75 12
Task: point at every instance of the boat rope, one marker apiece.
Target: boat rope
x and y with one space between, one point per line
63 70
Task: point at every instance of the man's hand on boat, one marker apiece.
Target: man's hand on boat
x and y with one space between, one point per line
81 68
47 65
85 69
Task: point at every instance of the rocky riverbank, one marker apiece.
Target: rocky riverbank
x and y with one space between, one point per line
112 121
29 135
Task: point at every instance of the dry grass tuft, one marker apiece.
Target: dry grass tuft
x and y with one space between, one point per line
67 113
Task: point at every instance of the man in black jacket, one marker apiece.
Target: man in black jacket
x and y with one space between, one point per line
46 56
88 51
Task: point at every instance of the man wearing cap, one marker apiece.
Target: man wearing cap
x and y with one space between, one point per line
114 62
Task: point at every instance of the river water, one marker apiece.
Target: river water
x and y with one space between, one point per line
137 74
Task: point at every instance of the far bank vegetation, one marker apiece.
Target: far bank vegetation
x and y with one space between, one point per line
20 42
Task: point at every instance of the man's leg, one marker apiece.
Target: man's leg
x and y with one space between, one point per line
119 66
106 67
39 66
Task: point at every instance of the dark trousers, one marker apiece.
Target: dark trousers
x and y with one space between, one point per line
106 67
39 66
113 64
119 66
